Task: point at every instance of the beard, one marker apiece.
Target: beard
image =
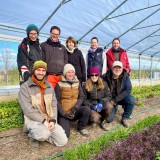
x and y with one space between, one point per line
117 73
38 78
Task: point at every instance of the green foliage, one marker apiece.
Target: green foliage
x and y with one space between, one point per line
140 104
157 155
10 115
85 151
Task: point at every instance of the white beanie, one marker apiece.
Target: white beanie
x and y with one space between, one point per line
117 63
68 67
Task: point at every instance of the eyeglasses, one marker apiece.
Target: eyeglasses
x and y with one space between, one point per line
33 34
55 34
92 75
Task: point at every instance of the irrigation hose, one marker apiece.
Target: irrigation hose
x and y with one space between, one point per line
113 129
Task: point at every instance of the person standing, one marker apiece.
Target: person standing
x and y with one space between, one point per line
70 97
116 53
96 57
29 51
55 55
75 57
120 86
38 102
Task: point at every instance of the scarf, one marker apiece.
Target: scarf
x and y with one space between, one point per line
42 86
70 51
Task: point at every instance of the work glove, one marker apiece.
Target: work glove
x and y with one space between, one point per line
72 113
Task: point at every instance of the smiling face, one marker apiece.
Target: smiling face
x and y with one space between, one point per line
117 70
94 43
39 73
70 44
70 75
54 35
94 77
115 44
33 35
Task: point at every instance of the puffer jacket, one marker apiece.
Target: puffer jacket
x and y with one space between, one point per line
95 96
29 98
68 95
123 58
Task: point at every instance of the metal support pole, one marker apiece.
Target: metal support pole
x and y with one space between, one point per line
139 71
151 71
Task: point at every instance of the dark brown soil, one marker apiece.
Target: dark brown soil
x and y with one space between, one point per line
17 147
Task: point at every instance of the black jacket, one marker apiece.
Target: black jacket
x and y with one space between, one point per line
77 60
124 85
96 96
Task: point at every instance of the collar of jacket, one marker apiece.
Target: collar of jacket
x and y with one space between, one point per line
63 79
31 83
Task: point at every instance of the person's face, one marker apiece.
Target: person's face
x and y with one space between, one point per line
40 73
94 44
70 75
33 35
54 35
94 77
117 70
70 44
115 44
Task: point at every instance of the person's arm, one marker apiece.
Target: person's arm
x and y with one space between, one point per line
43 51
83 67
104 69
125 91
127 64
26 105
59 106
65 56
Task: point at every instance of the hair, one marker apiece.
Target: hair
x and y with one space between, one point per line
116 39
89 84
55 27
71 39
94 38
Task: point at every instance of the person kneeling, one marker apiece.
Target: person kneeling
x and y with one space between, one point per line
70 97
97 97
38 102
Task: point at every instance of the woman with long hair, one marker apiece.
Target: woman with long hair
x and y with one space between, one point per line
97 97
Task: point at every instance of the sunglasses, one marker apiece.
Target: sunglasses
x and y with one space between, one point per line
92 75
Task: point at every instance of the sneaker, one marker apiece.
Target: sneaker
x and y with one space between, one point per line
94 124
25 130
125 122
34 143
84 132
103 126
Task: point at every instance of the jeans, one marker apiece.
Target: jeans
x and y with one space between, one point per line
128 105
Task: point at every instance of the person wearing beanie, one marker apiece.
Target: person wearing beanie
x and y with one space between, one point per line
96 57
97 98
38 102
29 51
116 53
120 86
55 55
70 97
75 57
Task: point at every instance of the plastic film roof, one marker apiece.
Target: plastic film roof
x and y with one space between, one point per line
137 23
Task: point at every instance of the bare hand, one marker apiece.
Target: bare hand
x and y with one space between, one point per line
51 126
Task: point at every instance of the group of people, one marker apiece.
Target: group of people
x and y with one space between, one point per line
57 86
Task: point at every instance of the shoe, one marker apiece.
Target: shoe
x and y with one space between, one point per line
94 124
25 130
103 126
125 122
84 132
34 143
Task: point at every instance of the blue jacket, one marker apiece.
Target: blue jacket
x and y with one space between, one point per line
124 85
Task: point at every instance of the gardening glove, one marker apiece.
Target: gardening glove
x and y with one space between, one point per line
26 75
72 113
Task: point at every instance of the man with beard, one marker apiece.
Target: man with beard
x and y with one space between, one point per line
120 85
38 102
29 51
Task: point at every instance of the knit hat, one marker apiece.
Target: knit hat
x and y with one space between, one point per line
68 67
94 70
39 64
117 63
32 27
